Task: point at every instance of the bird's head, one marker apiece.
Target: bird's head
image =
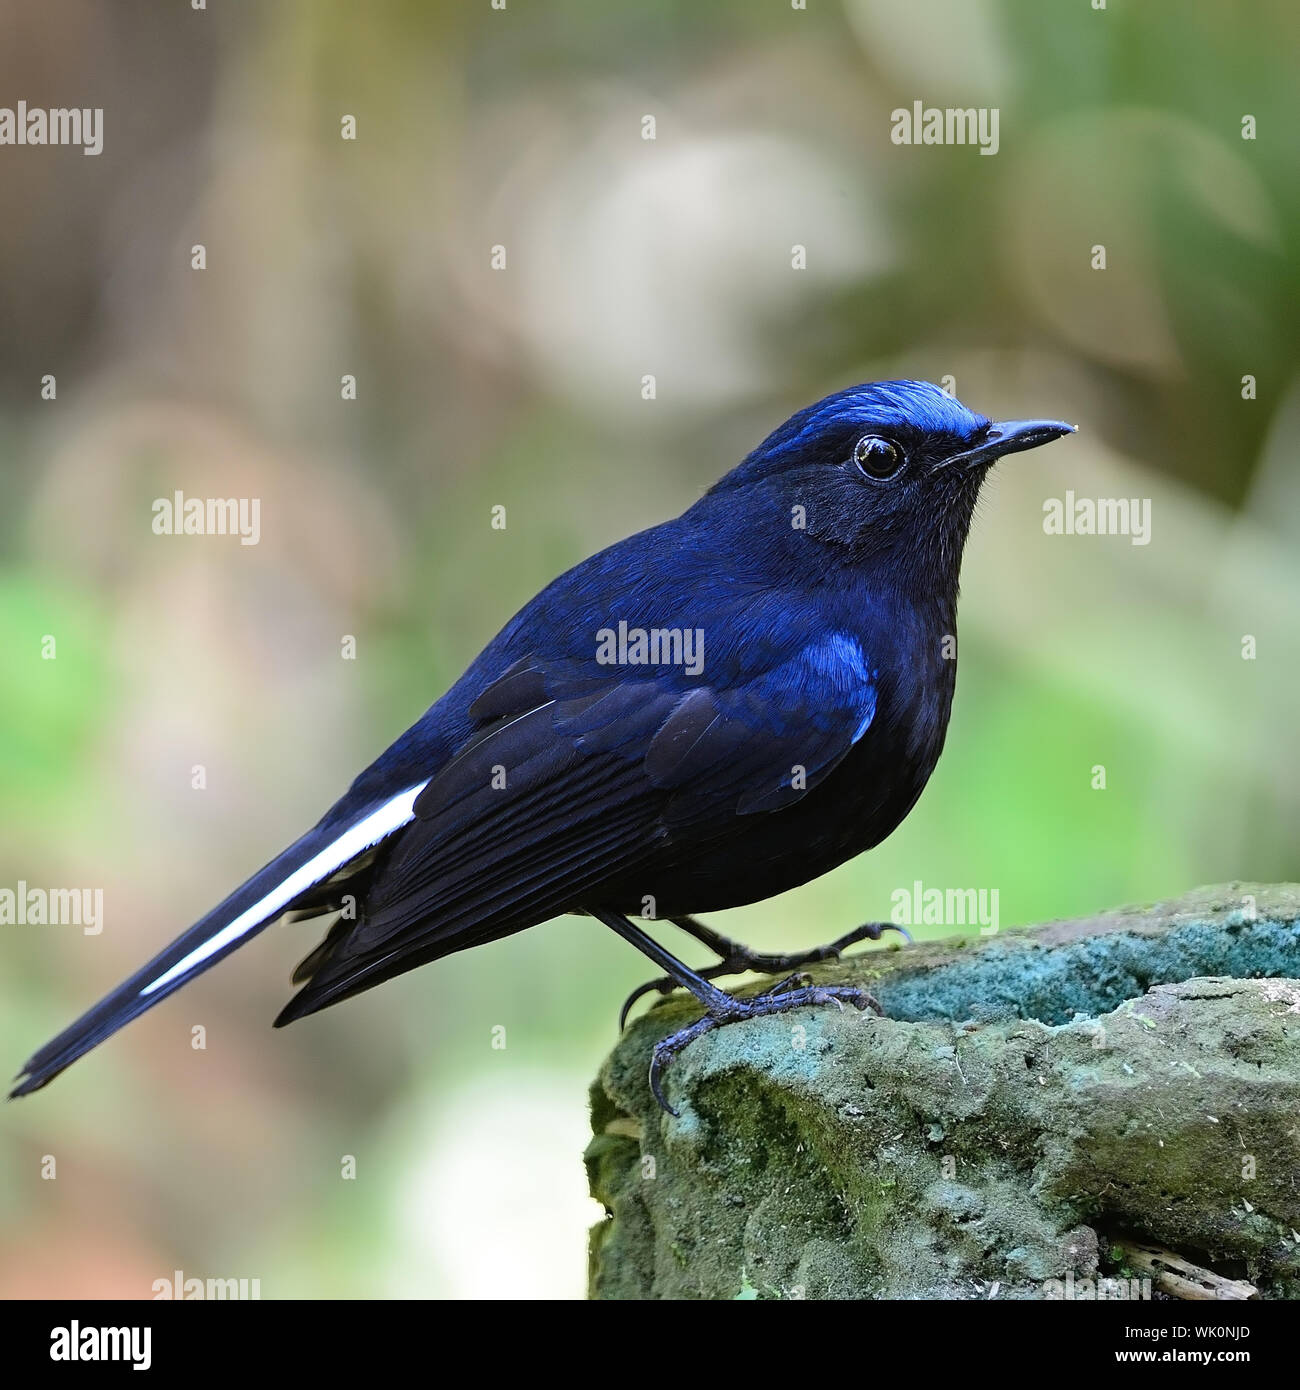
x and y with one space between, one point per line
890 468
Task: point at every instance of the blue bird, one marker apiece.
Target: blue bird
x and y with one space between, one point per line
705 714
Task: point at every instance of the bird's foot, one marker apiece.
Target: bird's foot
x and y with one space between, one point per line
779 999
738 958
666 985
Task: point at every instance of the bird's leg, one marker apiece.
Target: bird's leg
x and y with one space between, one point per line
722 1008
734 958
665 984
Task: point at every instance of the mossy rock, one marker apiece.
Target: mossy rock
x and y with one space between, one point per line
1028 1103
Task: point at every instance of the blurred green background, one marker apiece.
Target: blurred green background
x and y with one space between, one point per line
522 387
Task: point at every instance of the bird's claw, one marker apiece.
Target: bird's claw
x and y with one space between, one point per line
773 1001
869 931
663 986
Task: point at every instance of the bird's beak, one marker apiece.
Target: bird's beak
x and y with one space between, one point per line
1010 437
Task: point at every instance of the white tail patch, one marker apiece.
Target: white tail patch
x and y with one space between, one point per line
378 825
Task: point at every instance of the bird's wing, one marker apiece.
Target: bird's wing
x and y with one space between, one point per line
578 774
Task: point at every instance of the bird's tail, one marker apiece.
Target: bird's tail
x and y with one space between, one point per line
288 882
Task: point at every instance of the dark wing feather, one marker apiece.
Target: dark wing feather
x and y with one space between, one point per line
579 774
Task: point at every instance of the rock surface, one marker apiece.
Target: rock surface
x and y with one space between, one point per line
1029 1103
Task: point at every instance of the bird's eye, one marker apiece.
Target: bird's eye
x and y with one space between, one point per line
879 458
